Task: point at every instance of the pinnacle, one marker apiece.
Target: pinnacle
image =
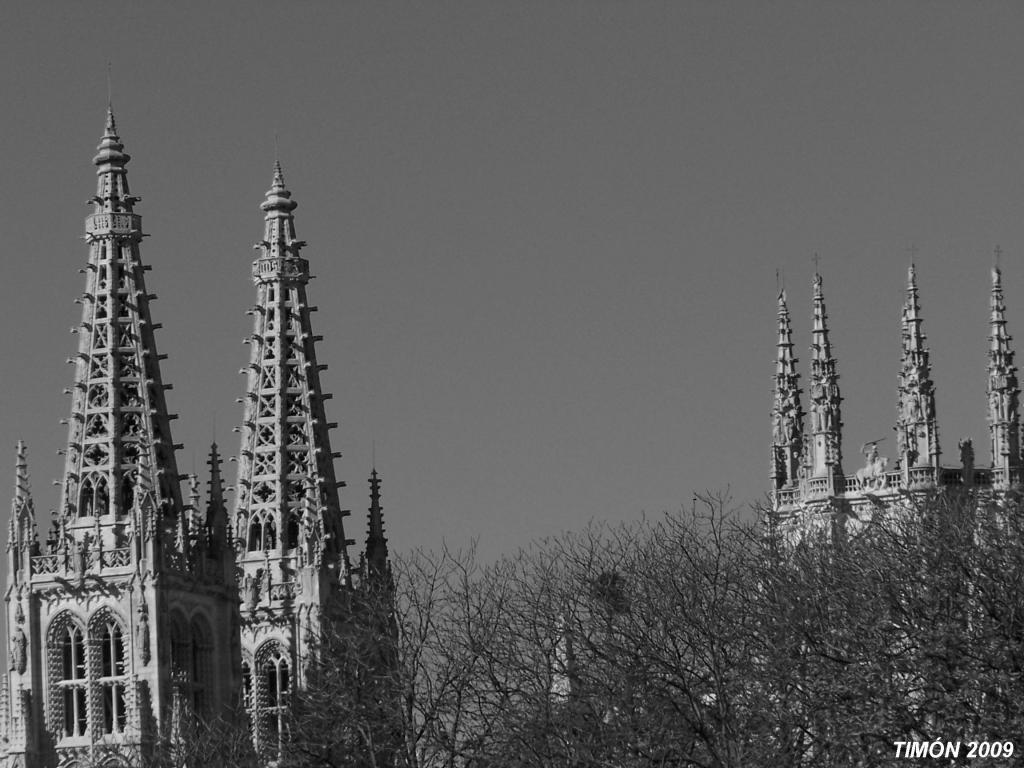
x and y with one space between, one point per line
21 472
278 196
109 151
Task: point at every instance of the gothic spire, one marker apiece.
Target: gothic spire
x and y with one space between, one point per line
22 489
917 433
216 512
23 536
825 439
376 543
118 409
1003 392
787 411
285 435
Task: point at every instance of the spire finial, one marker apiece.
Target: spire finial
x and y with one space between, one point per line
912 253
278 196
21 472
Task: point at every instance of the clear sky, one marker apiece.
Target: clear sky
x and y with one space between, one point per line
546 234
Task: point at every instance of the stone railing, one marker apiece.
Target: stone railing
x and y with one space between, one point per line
117 558
275 268
818 486
785 497
915 478
113 223
286 590
45 563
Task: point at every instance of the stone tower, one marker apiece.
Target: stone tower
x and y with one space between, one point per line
287 522
125 617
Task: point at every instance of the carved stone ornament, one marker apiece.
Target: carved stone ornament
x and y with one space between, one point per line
143 634
19 651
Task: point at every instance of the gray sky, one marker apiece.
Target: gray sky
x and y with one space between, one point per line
545 233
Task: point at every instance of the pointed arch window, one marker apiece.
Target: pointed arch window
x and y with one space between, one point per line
127 492
293 530
255 535
202 662
101 499
72 681
247 701
269 709
112 676
192 663
85 499
262 533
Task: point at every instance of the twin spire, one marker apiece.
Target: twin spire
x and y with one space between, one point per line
810 463
120 466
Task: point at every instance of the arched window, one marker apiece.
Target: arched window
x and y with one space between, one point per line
85 499
202 661
101 505
112 676
262 532
247 685
270 697
192 661
72 680
293 530
127 493
181 649
269 533
255 536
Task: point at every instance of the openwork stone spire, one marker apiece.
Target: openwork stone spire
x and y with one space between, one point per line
825 438
1003 392
376 543
287 506
118 409
917 431
787 412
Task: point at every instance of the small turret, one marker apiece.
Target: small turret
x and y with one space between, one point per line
824 454
1003 391
23 536
216 512
787 412
376 544
917 431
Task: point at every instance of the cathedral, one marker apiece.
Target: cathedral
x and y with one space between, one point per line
811 492
149 602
